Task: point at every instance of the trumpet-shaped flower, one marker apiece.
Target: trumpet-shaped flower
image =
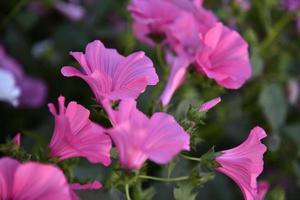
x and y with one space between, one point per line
32 181
139 138
244 163
76 136
224 57
110 75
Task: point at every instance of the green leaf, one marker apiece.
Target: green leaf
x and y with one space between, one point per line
276 194
272 101
184 191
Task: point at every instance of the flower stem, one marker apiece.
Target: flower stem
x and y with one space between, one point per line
109 111
275 31
191 158
127 192
181 178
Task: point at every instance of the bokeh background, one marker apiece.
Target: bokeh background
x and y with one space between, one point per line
39 36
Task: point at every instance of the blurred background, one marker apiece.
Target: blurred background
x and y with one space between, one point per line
38 35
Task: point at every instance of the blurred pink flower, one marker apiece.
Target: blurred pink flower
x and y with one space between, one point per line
138 138
244 163
32 181
152 17
112 76
210 104
189 31
244 4
262 189
291 5
17 139
73 11
23 87
225 57
76 136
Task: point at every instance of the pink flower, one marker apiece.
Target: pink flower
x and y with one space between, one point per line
17 139
152 17
245 163
225 57
76 136
32 181
138 138
110 75
209 105
262 189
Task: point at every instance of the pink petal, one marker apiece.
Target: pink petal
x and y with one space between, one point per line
225 57
8 168
40 182
76 136
244 163
166 138
179 67
138 138
209 105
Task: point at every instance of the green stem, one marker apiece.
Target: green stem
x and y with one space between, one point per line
13 12
181 178
191 158
127 192
275 31
161 62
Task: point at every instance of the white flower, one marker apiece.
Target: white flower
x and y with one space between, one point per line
9 91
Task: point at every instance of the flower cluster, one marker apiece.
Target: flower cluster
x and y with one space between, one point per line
190 35
196 36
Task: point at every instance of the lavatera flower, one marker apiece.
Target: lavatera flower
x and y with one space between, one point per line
138 138
244 163
110 75
32 181
75 135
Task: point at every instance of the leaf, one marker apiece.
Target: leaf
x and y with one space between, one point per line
276 194
142 194
184 191
272 101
